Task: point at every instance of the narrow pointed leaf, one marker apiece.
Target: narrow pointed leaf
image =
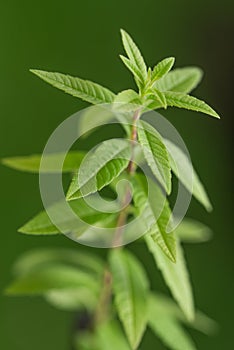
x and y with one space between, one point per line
158 97
83 89
177 99
162 68
50 162
41 224
134 53
100 168
155 215
167 327
155 153
135 71
201 322
38 258
131 294
72 299
175 275
53 277
180 80
111 333
185 176
191 231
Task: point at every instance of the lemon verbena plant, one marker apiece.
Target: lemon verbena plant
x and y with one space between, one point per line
114 293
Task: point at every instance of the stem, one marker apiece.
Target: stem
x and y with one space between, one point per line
102 310
131 168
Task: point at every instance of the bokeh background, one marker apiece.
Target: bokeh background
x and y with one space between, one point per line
82 38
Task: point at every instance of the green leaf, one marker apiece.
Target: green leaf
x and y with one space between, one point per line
155 153
128 96
162 68
185 176
201 322
111 333
41 223
131 294
100 168
204 324
167 328
191 231
127 101
180 80
53 277
177 99
83 89
72 299
157 97
50 162
39 258
175 275
134 54
135 71
155 215
86 340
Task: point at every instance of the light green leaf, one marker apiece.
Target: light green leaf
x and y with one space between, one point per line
165 325
42 225
98 116
204 324
83 89
111 333
100 168
135 71
155 153
94 117
162 68
157 96
175 275
191 231
52 277
180 80
72 299
155 215
134 54
50 162
185 176
177 99
131 294
128 96
38 258
86 340
201 322
127 101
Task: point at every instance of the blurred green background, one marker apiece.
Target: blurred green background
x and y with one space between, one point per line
82 38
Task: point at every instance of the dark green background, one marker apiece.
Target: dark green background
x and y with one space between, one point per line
82 38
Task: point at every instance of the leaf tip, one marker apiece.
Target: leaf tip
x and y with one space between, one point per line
34 71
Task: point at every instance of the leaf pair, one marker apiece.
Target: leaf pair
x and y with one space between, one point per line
165 321
66 278
158 88
137 307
